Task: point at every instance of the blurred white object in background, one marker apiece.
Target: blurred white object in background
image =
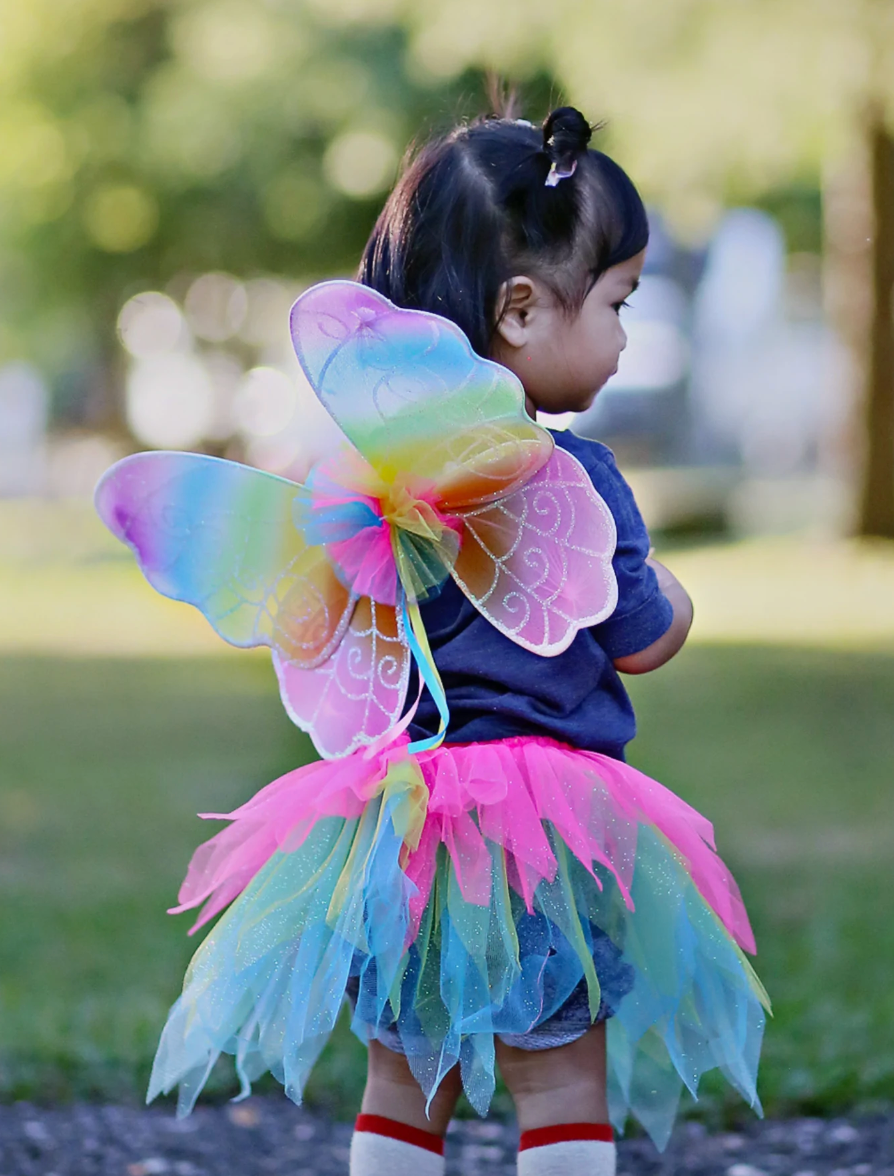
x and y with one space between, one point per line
737 313
307 435
151 324
187 384
741 287
216 306
768 377
557 420
266 322
170 401
177 397
265 402
169 392
225 373
642 409
657 351
24 409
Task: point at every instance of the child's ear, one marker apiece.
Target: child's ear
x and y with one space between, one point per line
515 301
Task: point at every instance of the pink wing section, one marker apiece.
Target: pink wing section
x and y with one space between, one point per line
358 694
538 564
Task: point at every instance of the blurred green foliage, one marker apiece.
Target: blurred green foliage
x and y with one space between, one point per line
145 142
799 211
104 762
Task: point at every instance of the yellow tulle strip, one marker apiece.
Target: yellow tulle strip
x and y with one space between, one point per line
403 799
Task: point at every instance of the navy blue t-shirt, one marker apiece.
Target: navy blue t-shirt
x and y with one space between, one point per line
495 688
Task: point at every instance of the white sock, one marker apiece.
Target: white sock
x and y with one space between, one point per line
572 1149
384 1147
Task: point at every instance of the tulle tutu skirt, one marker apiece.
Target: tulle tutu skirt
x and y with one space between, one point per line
463 893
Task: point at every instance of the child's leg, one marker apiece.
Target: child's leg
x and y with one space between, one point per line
560 1100
393 1134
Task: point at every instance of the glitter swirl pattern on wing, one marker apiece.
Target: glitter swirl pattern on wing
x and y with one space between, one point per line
537 564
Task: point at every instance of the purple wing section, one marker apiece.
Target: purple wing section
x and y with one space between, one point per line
538 564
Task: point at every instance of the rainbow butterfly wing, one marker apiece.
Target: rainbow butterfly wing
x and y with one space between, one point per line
537 563
415 400
220 536
408 390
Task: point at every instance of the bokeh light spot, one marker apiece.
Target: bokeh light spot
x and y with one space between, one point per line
216 305
170 401
120 217
360 163
33 147
227 41
265 403
151 324
267 320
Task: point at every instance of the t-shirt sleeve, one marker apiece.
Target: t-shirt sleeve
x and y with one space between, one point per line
643 613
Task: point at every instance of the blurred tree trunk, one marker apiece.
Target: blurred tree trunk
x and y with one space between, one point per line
876 508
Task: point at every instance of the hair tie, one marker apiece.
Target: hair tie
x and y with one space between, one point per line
556 174
566 134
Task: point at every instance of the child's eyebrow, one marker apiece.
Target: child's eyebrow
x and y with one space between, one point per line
634 286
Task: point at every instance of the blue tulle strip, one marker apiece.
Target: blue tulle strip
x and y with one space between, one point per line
268 982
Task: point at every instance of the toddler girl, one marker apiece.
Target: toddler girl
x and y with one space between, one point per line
503 890
532 242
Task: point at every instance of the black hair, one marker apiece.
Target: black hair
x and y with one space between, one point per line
499 197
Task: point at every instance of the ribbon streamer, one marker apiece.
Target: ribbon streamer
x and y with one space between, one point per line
417 639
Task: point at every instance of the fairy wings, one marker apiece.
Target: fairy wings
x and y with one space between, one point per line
442 473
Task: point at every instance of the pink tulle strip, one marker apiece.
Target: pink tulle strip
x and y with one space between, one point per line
500 792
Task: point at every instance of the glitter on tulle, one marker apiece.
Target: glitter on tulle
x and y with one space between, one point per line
465 887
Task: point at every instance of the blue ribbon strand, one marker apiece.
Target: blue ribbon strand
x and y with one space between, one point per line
429 674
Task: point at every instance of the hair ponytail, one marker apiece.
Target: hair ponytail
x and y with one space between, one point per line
566 134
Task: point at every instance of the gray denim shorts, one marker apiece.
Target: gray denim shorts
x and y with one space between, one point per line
569 1022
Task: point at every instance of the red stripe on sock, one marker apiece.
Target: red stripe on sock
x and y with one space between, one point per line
566 1133
379 1125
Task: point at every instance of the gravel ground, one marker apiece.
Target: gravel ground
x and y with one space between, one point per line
270 1137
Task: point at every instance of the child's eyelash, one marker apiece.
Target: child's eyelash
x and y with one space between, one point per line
618 306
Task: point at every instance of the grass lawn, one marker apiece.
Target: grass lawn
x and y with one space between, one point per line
104 762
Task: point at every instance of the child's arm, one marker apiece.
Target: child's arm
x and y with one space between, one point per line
670 642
